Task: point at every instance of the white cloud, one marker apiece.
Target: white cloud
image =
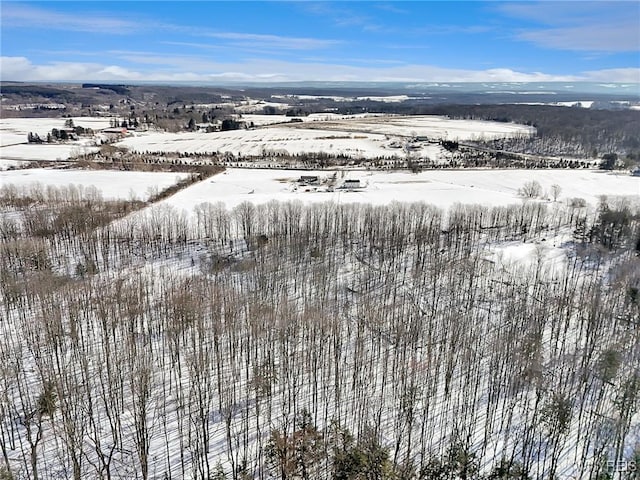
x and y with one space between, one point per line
198 69
168 69
619 75
273 41
15 68
21 69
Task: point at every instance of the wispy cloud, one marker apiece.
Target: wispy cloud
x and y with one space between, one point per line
24 16
249 40
444 29
579 26
346 17
166 63
623 37
390 7
204 46
16 15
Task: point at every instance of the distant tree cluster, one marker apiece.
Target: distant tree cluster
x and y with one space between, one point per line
230 124
34 138
573 132
69 132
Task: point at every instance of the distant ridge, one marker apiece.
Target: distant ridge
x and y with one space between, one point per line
120 89
509 88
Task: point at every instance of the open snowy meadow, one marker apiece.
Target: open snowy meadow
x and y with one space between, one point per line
430 126
441 188
358 136
15 151
113 184
15 130
43 151
272 140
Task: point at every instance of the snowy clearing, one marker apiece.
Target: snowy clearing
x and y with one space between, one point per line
336 98
15 130
431 126
257 106
268 141
45 151
370 136
442 188
260 120
8 164
113 184
577 104
552 253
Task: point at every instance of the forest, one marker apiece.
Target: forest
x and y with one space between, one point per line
324 341
569 131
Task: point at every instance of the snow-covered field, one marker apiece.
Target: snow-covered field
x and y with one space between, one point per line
259 120
7 164
15 130
112 184
442 188
257 106
431 126
362 136
262 119
336 98
355 136
273 140
579 103
44 151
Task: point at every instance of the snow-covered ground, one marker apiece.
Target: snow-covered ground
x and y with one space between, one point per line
7 164
257 106
261 119
442 188
273 140
386 98
578 103
15 130
359 136
189 386
45 151
113 184
430 126
336 98
550 254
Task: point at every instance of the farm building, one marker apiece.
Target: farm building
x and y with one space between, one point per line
309 180
214 126
115 130
351 184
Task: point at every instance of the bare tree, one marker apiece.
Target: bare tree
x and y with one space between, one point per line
531 189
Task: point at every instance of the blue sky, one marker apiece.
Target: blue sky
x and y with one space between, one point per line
125 41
